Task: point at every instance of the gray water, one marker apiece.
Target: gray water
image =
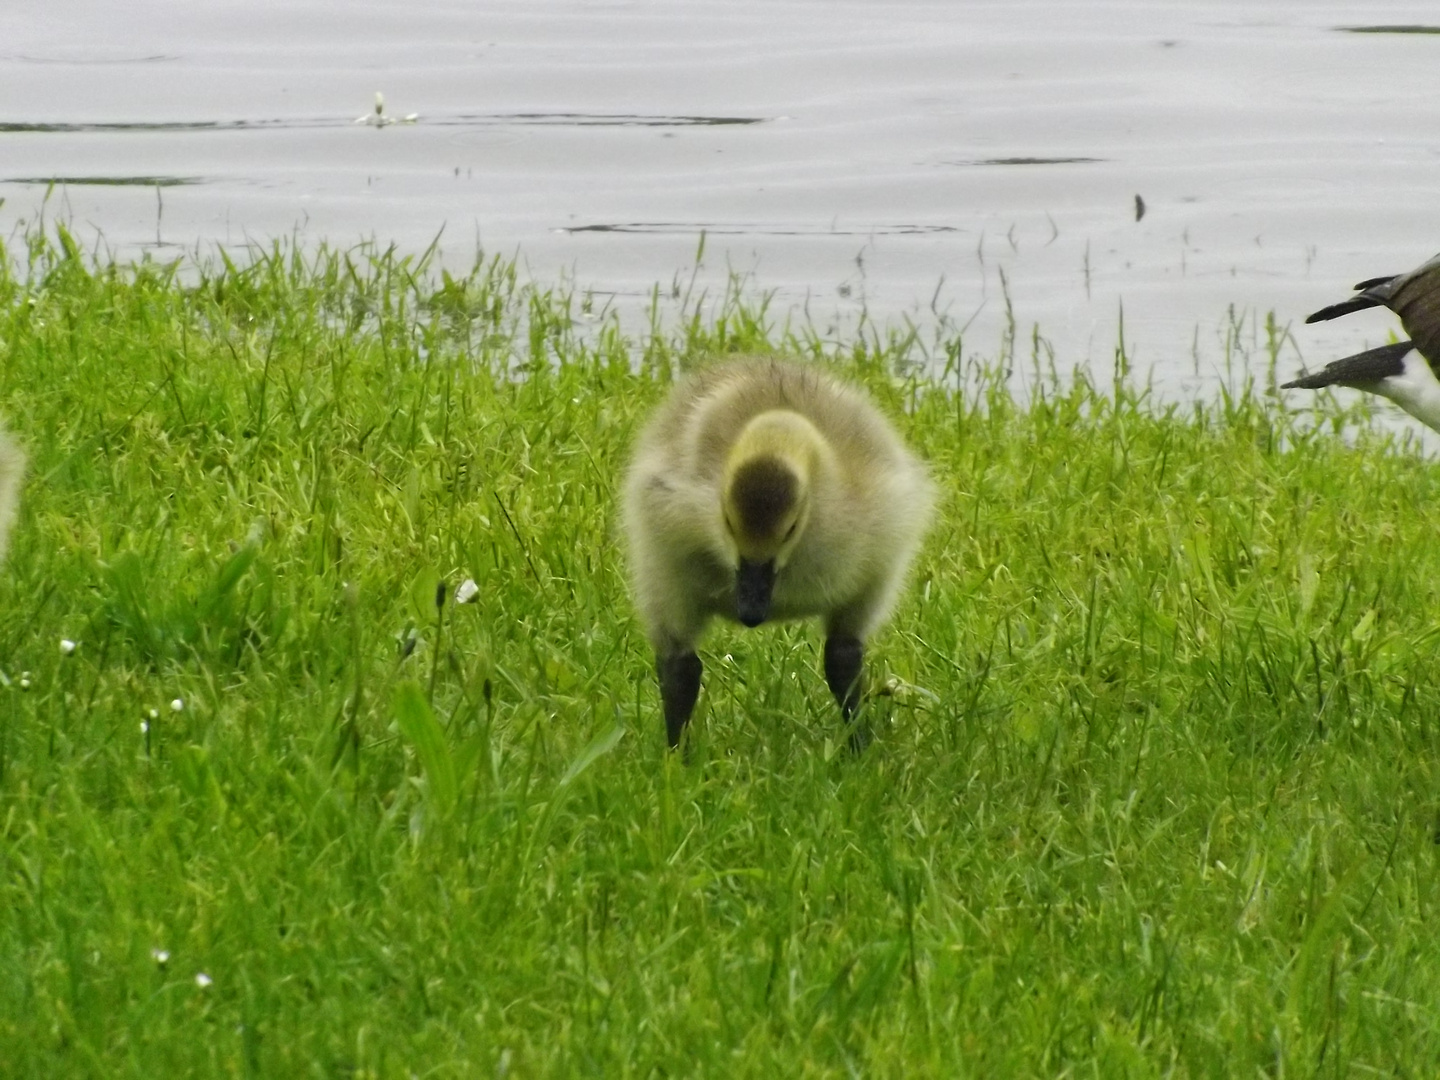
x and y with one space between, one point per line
891 158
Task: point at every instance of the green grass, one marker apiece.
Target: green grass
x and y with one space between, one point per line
1155 793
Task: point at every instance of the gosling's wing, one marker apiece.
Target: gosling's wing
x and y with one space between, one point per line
1363 371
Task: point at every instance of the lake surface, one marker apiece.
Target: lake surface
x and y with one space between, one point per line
915 160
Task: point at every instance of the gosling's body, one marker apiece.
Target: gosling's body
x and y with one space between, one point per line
1403 372
763 489
12 473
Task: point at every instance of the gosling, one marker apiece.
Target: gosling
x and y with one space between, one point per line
1405 371
12 472
766 490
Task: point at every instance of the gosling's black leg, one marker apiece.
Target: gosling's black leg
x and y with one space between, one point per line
679 687
843 659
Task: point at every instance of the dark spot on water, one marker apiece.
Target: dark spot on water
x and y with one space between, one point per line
540 119
1398 29
19 127
1139 208
564 119
684 228
1029 161
108 181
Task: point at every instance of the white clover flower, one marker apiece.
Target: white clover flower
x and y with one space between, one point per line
24 680
154 714
467 592
202 980
67 646
144 727
177 705
160 956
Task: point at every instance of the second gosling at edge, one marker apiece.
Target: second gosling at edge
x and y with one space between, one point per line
764 489
12 475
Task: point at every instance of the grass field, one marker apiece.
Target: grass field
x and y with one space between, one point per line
1155 792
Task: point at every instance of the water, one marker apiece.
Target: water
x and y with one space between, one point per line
895 158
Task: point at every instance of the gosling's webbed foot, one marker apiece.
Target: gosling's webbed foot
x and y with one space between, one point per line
679 687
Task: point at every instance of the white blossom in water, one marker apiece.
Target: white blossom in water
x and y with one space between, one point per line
177 705
378 117
67 646
467 592
202 980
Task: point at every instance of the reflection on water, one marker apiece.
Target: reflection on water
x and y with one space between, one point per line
1390 29
1027 161
90 61
912 163
694 228
107 181
300 122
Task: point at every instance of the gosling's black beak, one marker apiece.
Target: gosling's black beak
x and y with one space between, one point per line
754 582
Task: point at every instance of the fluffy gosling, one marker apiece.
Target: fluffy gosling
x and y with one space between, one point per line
1404 372
763 489
12 472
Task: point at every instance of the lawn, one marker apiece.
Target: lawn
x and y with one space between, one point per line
1154 789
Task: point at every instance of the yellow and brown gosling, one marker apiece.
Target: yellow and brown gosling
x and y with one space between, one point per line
763 490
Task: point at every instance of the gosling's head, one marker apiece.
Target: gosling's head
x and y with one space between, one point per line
766 503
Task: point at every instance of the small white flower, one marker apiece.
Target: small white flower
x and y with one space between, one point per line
24 680
144 727
154 714
177 705
202 980
467 592
67 646
378 117
160 956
